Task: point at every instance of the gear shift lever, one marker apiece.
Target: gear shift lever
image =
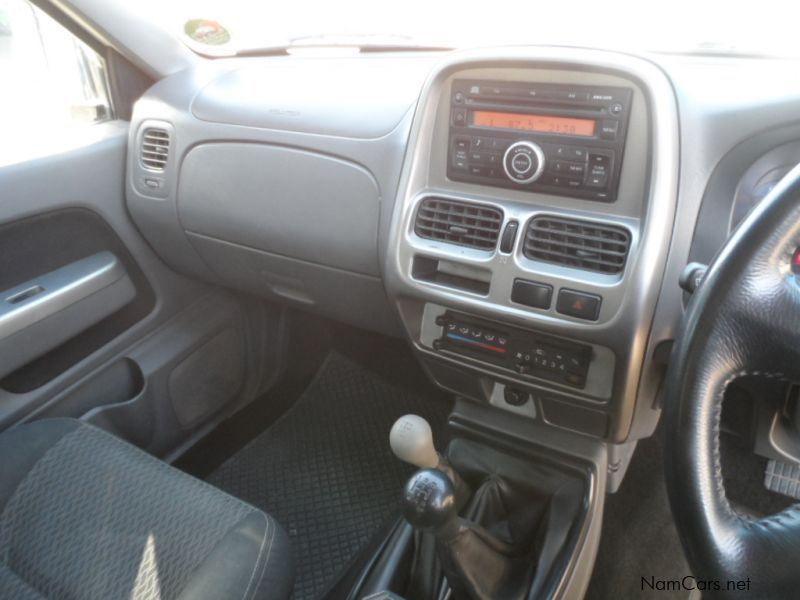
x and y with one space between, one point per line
411 440
429 503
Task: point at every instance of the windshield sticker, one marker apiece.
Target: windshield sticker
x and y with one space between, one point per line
206 32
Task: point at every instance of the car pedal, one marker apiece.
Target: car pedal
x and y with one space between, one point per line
783 478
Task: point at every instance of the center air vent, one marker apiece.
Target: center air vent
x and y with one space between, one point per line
465 224
580 244
155 148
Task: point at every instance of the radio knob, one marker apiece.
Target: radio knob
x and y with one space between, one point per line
523 162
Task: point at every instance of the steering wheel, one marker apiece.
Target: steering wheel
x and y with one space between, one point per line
744 319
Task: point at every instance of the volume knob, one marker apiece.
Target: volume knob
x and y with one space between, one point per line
523 162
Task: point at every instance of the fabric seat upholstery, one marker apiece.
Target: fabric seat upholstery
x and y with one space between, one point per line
84 514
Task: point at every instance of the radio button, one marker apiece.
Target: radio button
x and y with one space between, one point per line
565 167
580 96
597 180
521 164
596 160
570 153
480 143
575 169
609 129
499 144
524 162
477 157
462 144
459 117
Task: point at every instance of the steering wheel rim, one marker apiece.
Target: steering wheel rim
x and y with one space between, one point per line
744 319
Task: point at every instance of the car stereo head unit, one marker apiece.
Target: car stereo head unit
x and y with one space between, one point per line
540 137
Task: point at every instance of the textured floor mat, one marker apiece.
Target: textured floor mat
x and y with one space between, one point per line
325 470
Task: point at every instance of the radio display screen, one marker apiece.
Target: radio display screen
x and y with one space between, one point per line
540 123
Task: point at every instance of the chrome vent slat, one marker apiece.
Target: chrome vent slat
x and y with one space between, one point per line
576 246
571 260
154 150
461 223
474 227
580 244
557 235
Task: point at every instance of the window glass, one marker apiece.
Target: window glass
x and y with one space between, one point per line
52 82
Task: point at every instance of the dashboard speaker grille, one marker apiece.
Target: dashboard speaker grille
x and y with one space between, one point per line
462 223
579 244
155 148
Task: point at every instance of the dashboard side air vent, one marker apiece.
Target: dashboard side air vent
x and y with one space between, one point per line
155 148
462 223
580 244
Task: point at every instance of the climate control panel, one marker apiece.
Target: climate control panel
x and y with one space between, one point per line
524 353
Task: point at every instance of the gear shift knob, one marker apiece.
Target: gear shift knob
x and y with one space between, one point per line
429 503
412 441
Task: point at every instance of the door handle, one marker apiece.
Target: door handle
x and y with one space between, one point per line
40 314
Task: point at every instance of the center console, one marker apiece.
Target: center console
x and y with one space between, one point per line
530 233
528 246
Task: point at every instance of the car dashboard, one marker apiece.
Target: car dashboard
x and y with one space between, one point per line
520 215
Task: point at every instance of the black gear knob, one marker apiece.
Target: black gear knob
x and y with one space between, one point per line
429 503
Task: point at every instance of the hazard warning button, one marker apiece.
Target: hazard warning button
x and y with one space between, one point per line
578 304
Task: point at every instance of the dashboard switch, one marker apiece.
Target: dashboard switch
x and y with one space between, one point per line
509 235
578 304
692 275
530 293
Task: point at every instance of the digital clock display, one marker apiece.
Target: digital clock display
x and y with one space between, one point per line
540 123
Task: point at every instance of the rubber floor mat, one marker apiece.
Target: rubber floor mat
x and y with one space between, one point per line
324 470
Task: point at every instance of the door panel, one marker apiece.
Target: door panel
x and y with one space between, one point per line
155 369
44 312
39 246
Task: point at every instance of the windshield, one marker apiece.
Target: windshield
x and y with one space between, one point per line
217 27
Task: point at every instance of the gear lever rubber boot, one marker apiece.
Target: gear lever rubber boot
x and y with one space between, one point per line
472 560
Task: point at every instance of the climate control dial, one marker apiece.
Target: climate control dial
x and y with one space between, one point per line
523 162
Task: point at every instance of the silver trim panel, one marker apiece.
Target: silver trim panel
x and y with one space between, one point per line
646 207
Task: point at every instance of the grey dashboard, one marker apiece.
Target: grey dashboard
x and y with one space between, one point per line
300 178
